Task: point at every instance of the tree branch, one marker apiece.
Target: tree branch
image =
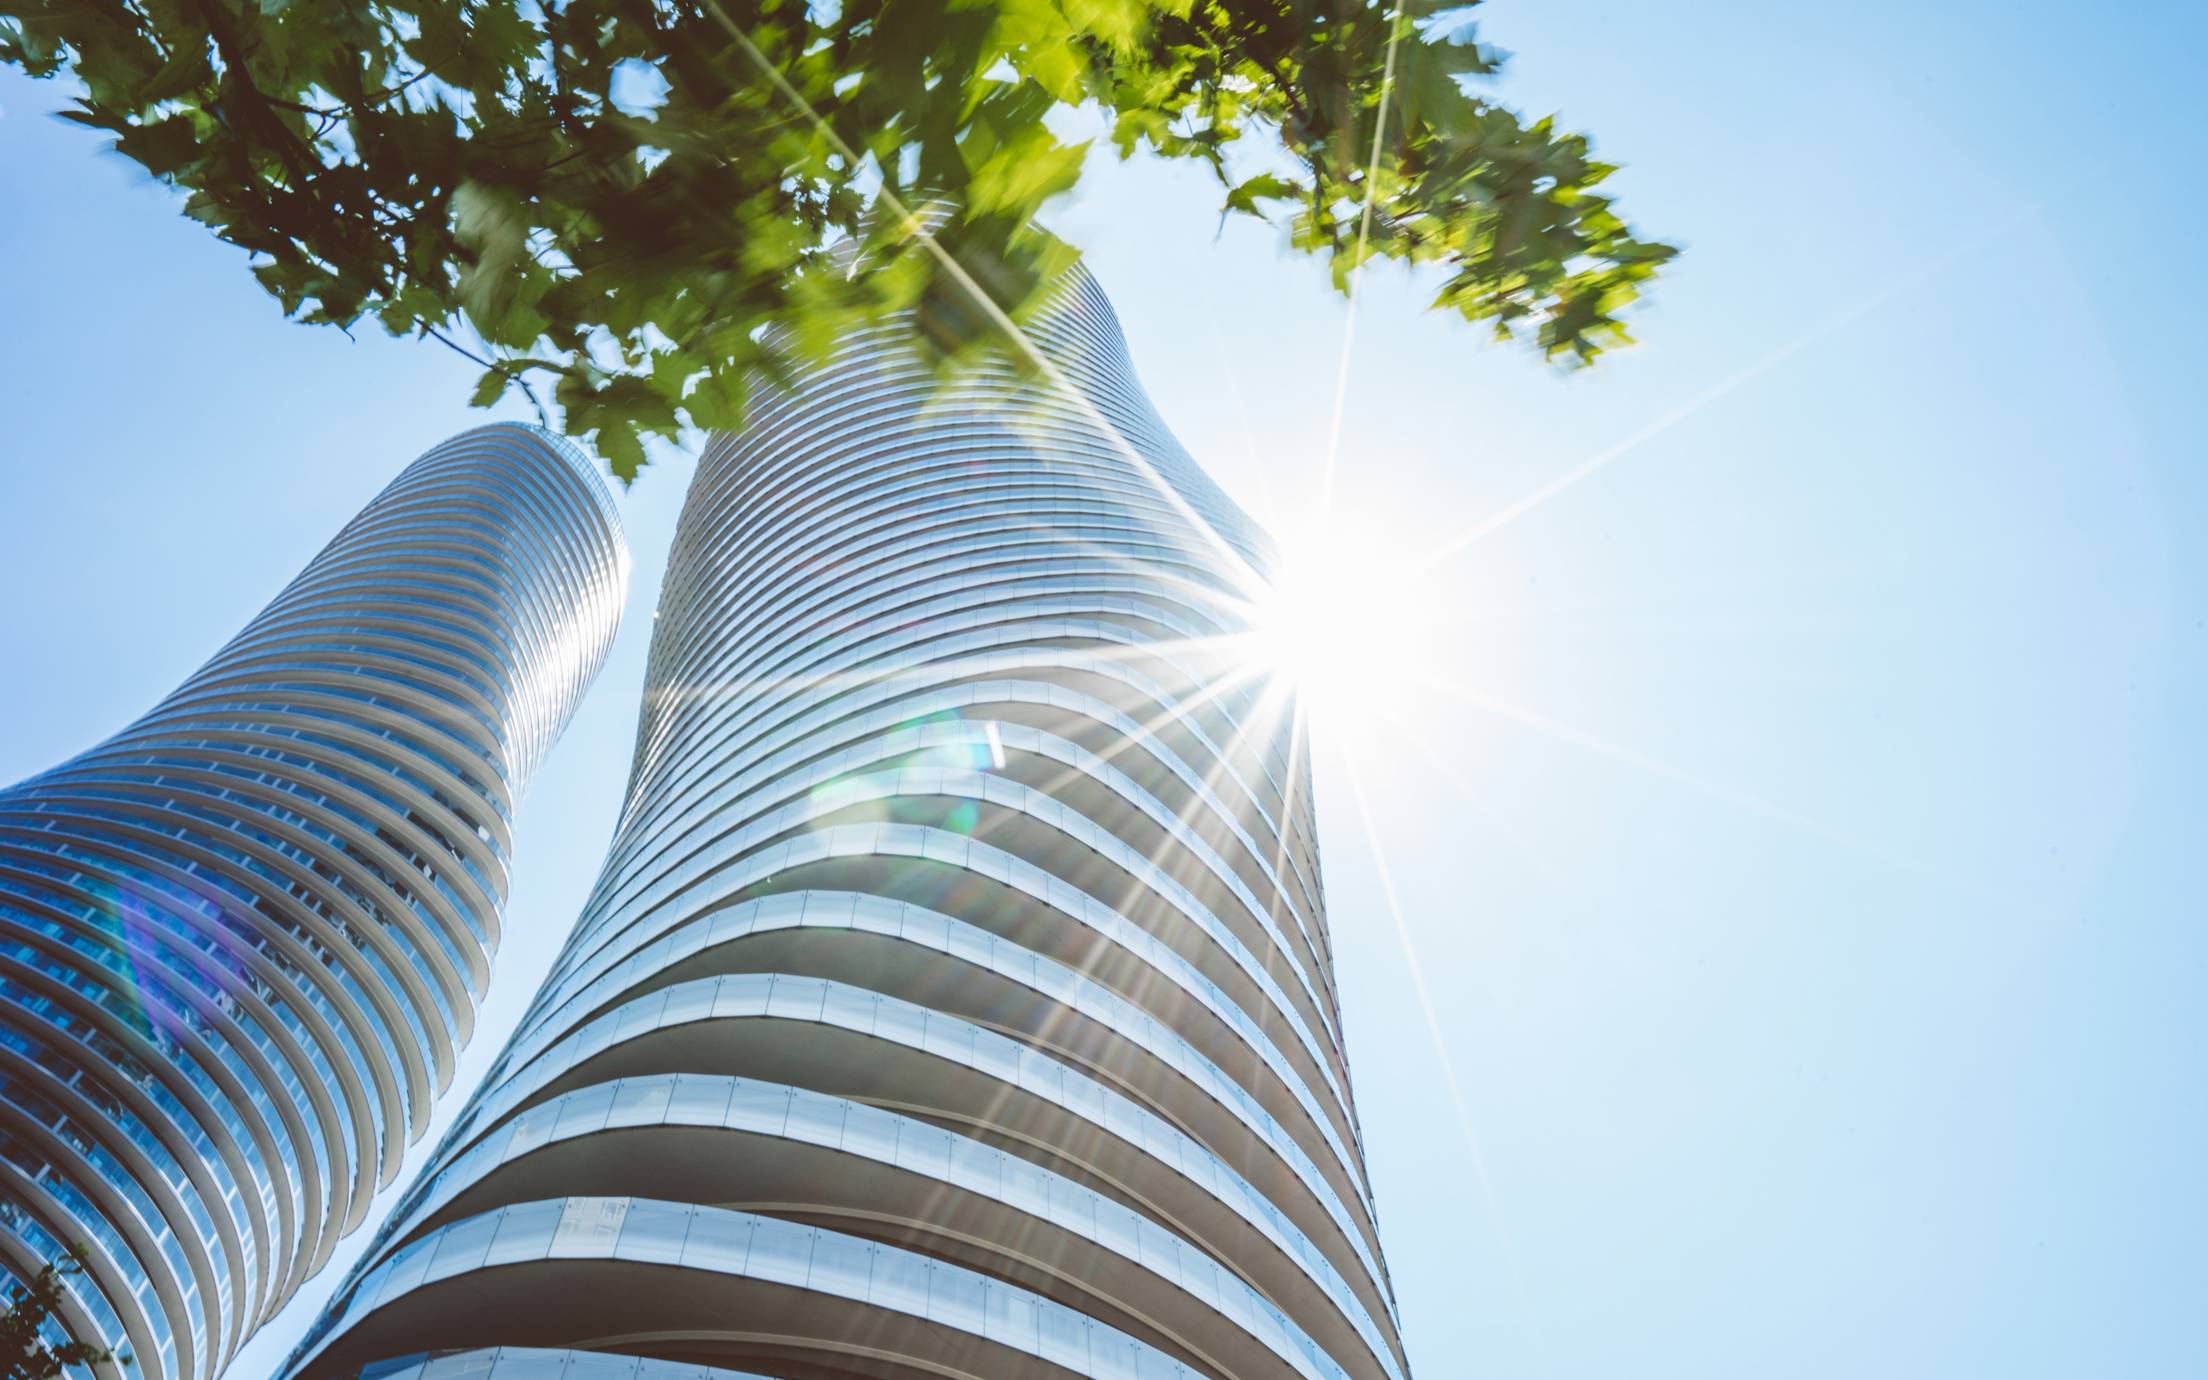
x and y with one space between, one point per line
544 418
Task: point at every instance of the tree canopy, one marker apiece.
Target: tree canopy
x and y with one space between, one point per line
645 204
25 1351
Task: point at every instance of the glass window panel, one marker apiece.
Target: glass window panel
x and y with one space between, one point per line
756 1106
781 909
462 1247
796 998
946 848
924 1149
524 1233
718 1241
901 839
816 1119
955 1299
966 942
639 1016
584 1111
950 1038
1009 1318
1024 1185
780 1252
404 1272
1034 1069
1064 1336
741 994
588 1228
899 1021
698 1100
532 1129
976 1166
1111 1355
850 1007
640 1101
840 1265
690 1001
871 1132
900 1282
1116 1229
654 1232
1152 1364
492 1148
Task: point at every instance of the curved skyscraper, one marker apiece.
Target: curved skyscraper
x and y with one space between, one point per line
241 940
956 999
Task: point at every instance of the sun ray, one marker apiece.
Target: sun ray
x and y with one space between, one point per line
1357 264
1488 525
1716 790
1262 720
1222 763
1223 757
1314 932
1232 561
1514 1270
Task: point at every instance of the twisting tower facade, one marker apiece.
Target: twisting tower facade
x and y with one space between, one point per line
956 999
241 940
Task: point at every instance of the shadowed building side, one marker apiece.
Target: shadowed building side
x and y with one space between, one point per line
242 940
956 998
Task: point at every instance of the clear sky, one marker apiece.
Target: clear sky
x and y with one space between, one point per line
1803 846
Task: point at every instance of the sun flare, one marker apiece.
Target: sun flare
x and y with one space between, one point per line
1344 622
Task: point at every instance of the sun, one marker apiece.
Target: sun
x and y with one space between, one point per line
1345 622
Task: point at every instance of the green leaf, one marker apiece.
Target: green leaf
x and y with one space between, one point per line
165 147
1245 195
438 162
621 450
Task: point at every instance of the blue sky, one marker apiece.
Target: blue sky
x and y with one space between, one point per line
1805 858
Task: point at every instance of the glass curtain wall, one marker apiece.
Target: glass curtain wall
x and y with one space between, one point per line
242 940
957 996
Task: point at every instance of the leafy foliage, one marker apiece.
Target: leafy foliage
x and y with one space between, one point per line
25 1354
645 203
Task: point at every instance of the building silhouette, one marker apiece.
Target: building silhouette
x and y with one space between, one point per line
957 997
241 940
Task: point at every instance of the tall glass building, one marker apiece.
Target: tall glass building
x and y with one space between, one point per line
241 940
957 998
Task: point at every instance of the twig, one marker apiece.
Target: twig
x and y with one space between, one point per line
544 418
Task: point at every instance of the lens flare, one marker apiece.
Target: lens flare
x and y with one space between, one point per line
1345 623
